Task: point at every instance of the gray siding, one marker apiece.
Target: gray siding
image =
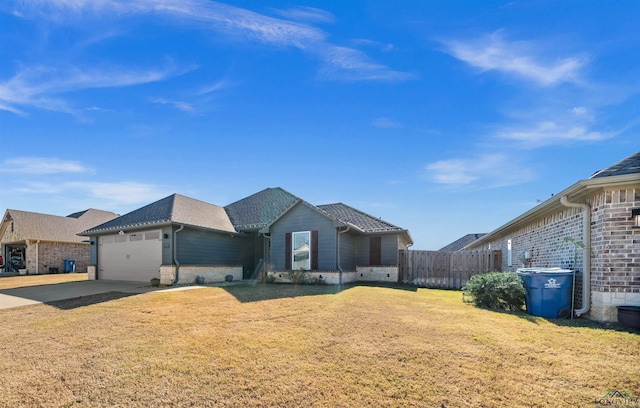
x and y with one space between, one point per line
93 251
389 255
200 247
303 218
348 251
167 246
390 249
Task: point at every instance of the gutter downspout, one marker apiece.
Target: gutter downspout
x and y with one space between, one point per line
586 254
264 256
175 253
338 254
37 260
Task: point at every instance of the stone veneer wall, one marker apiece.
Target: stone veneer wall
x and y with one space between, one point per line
361 274
188 273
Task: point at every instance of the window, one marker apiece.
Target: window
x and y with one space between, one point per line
301 250
509 263
152 235
375 251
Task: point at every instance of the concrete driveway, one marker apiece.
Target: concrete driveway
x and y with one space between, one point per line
32 295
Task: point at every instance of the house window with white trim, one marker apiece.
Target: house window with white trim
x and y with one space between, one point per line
301 250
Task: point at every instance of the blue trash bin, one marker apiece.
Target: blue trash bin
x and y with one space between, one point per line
69 265
547 291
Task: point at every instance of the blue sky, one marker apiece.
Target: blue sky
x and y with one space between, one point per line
443 117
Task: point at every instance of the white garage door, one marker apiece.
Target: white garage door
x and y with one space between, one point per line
130 257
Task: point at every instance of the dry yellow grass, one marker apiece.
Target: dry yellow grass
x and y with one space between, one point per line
280 345
36 280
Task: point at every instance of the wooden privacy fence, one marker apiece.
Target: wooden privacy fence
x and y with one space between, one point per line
446 270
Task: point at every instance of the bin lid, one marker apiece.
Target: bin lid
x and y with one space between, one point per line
543 270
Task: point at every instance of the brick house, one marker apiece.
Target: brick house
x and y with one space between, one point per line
603 213
36 243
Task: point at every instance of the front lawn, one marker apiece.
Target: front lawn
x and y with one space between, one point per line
290 346
21 281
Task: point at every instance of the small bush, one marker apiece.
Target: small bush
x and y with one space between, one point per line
495 290
297 276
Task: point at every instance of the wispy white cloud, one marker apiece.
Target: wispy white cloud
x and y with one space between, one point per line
386 47
215 87
484 171
551 133
124 192
385 123
180 105
310 14
339 62
523 59
41 87
41 165
108 194
551 125
344 63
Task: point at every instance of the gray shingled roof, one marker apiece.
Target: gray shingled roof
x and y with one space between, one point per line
38 226
630 165
461 242
358 219
173 209
260 209
248 214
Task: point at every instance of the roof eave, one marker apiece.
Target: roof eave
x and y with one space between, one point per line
578 191
137 227
134 227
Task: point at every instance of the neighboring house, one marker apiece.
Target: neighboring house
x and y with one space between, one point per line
603 213
459 244
37 243
269 233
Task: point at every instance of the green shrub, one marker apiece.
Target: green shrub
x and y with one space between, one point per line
495 290
297 276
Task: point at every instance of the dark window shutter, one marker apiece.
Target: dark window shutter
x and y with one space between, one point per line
287 250
375 251
314 250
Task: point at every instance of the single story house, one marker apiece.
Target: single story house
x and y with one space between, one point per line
601 213
38 243
267 234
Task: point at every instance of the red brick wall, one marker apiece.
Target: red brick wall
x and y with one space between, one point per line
616 242
52 255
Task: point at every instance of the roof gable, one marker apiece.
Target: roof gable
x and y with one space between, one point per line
199 213
47 227
175 208
260 209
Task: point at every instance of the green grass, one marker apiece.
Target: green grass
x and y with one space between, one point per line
284 345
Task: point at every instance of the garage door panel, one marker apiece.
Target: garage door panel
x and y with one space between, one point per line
130 257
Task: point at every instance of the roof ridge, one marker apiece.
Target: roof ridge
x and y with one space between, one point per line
363 213
173 205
